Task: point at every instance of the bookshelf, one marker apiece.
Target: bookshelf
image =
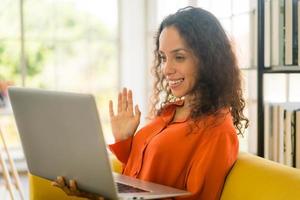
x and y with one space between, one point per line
263 69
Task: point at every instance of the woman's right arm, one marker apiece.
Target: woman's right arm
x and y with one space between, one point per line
124 123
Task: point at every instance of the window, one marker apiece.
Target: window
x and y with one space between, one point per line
10 72
69 45
167 7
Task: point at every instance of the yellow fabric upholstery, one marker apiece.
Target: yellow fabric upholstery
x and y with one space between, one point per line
251 178
255 178
41 189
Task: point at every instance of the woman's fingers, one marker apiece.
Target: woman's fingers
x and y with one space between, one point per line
73 186
111 109
55 184
125 103
124 99
137 112
72 189
58 183
130 102
61 181
120 103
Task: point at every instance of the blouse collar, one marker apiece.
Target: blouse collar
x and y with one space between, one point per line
170 110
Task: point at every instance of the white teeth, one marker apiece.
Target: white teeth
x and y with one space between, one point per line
173 82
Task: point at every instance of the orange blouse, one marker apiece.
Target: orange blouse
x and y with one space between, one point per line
181 154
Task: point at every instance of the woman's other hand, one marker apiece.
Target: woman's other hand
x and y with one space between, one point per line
72 189
125 122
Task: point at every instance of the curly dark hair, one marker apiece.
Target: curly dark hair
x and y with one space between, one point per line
218 82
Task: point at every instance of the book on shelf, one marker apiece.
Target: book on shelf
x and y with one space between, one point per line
277 32
291 32
281 130
295 31
281 28
278 133
293 138
275 134
288 154
267 45
268 133
288 34
297 139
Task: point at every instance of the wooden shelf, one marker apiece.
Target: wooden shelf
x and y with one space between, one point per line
283 69
248 68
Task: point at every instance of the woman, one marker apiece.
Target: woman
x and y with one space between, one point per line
191 142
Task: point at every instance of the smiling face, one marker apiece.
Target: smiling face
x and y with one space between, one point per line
179 65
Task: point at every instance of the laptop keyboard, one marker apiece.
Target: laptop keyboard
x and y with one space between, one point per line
123 188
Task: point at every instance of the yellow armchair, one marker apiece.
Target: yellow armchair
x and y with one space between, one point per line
255 178
251 178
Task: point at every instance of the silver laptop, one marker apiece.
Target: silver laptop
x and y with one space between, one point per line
61 135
